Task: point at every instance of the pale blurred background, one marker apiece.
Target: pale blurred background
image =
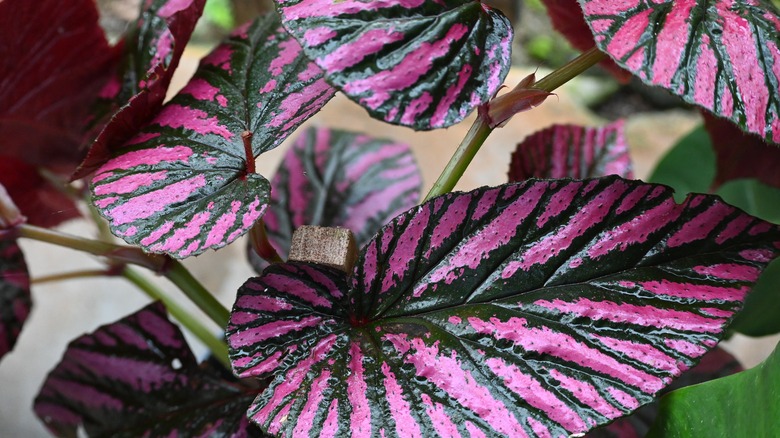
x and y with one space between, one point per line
66 310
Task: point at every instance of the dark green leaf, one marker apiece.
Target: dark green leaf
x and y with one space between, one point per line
743 405
689 167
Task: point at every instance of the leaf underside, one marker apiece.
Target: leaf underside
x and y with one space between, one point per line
532 309
723 55
181 185
570 151
336 178
15 300
419 63
137 377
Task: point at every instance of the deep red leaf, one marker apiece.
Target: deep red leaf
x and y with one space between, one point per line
741 154
151 54
44 204
567 18
54 58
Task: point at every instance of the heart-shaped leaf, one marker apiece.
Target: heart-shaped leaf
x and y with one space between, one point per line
740 154
570 151
339 178
723 55
152 50
137 377
184 183
420 63
15 301
543 308
742 405
567 18
715 364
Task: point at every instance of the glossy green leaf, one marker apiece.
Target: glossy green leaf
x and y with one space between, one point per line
689 167
543 308
743 405
184 183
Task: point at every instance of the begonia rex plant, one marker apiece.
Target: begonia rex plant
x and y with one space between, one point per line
557 304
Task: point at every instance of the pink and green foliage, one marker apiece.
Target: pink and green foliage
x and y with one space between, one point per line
339 178
531 309
135 92
15 301
566 17
137 377
715 364
570 151
420 63
741 155
186 181
55 59
723 55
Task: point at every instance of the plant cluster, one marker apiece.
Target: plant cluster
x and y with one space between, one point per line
557 304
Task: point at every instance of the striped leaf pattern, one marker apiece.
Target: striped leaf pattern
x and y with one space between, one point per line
15 300
723 55
419 63
570 151
183 184
151 52
542 308
340 178
137 377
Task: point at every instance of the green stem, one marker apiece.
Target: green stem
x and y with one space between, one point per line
181 277
125 254
87 273
217 346
172 269
480 130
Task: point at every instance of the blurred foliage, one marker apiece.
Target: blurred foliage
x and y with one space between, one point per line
220 13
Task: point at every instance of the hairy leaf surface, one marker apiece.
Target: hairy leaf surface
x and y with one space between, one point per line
137 377
742 405
532 309
151 53
570 151
420 63
723 55
183 184
15 301
340 178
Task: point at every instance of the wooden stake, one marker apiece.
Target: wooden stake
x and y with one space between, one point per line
329 246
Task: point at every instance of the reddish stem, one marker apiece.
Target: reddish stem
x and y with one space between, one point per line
246 136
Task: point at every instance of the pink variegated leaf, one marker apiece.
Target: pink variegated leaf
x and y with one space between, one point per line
339 178
151 52
715 364
184 183
137 377
419 63
15 300
542 308
566 17
723 55
570 151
